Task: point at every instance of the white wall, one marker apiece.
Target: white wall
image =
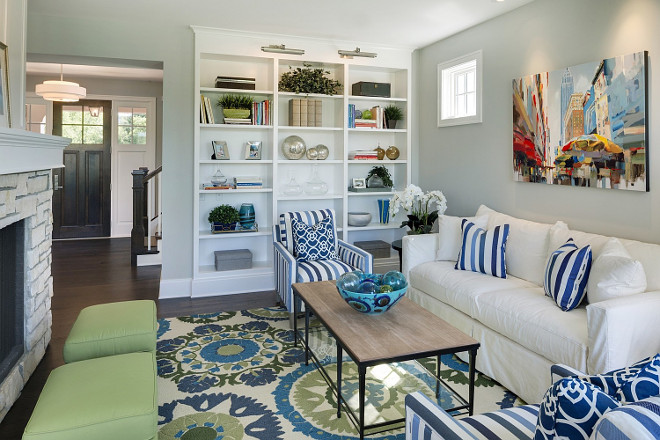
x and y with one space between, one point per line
157 38
472 164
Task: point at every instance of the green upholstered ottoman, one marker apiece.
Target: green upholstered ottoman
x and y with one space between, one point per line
108 398
114 328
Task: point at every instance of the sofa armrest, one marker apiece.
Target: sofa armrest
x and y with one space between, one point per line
356 257
426 420
622 331
418 249
559 371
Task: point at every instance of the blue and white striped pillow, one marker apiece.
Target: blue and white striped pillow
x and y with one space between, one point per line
483 251
637 421
566 275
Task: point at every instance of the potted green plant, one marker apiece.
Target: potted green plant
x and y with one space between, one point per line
379 177
223 218
307 80
393 114
236 106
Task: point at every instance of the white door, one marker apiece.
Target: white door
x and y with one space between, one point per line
134 146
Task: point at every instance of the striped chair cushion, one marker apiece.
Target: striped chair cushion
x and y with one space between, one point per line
483 251
636 421
518 423
566 275
309 218
321 270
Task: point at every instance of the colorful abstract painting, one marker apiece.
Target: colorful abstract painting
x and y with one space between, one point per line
585 125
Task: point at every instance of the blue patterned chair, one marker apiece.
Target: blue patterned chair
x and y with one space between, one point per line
577 411
289 270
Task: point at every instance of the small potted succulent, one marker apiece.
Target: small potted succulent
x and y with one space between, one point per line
379 177
236 106
392 115
223 218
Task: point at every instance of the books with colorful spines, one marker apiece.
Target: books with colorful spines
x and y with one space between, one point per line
366 123
363 155
351 115
218 187
209 110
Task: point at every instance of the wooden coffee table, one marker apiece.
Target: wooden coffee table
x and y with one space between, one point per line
406 332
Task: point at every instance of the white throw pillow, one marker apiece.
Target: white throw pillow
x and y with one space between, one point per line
527 246
615 274
449 235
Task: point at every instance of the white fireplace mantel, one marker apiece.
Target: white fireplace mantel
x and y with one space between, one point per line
22 151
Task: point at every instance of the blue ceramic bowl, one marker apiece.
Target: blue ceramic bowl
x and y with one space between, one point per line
372 303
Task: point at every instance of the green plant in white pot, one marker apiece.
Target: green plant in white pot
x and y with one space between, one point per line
236 106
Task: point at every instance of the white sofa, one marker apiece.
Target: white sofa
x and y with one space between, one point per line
522 331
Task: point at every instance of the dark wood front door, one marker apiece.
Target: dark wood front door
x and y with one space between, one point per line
81 200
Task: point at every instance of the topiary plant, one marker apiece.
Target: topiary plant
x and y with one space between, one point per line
224 214
383 173
393 113
236 101
307 80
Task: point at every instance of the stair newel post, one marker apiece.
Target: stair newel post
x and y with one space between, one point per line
139 197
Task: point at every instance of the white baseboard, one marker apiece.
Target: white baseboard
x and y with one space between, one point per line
149 259
177 288
229 285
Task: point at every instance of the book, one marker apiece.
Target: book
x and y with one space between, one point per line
303 113
318 105
247 121
311 112
294 112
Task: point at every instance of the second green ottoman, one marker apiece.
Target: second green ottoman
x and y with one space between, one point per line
113 328
110 398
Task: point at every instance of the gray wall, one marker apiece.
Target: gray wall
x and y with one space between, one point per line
472 164
133 37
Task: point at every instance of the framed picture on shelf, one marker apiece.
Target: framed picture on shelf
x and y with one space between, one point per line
253 150
220 150
5 116
359 182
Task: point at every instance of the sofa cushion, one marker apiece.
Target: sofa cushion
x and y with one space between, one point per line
570 409
321 270
614 273
314 242
636 421
649 255
527 246
483 251
450 235
531 319
566 275
458 288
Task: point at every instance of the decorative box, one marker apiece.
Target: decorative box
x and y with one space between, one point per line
233 259
363 88
234 82
377 248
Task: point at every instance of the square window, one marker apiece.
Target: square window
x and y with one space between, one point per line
459 90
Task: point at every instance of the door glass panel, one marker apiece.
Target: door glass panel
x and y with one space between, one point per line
132 125
71 114
92 134
93 116
74 132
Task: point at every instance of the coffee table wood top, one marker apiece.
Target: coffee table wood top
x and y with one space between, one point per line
407 331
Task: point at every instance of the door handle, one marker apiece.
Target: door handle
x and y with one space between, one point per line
56 184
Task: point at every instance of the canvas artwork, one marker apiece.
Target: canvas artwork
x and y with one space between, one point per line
585 125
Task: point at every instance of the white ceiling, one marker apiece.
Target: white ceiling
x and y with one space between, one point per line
412 23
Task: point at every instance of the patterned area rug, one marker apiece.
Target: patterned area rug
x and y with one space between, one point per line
238 375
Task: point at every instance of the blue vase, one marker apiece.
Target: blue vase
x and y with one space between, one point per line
384 210
246 215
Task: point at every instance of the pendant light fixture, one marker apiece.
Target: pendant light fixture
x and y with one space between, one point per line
62 91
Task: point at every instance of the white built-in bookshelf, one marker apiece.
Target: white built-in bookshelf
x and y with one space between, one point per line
227 53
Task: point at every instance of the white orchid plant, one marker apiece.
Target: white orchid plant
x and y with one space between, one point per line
419 205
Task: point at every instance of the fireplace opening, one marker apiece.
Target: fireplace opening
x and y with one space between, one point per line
12 285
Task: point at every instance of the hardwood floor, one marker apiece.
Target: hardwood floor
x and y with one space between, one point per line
87 272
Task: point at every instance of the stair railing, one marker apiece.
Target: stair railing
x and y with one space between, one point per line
147 202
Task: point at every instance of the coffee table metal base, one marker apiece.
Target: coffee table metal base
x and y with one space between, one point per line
358 421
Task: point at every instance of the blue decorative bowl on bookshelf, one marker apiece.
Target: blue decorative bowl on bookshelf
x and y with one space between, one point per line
373 302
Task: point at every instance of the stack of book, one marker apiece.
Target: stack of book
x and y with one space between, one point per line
261 113
377 118
363 155
246 121
206 111
306 113
248 182
235 82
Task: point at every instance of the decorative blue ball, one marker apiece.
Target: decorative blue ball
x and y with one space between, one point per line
395 279
365 296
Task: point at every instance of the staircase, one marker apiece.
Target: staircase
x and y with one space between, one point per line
146 234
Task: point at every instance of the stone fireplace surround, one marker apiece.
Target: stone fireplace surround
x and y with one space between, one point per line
26 162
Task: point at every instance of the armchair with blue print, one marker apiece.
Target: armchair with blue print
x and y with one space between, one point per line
307 249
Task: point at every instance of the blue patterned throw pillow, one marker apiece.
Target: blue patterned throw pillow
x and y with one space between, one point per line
483 251
566 275
570 409
316 242
636 382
